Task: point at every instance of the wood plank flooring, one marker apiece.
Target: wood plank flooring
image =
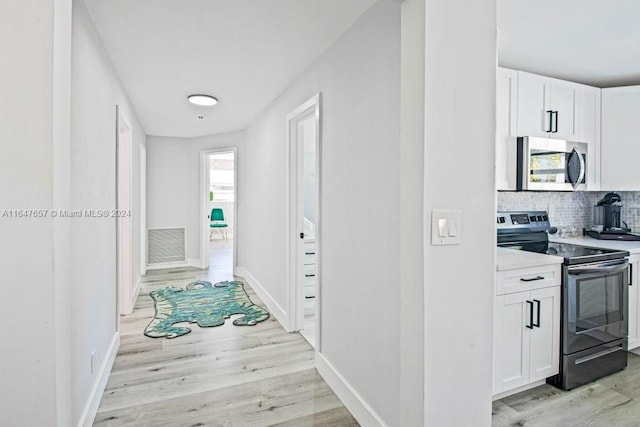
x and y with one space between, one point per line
223 376
613 401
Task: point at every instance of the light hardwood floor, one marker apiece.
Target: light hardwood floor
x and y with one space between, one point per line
613 401
223 376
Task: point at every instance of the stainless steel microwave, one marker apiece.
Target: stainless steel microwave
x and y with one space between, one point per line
551 164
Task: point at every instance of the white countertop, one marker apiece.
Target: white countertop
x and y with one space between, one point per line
632 247
510 259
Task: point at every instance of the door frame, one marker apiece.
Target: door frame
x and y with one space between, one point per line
124 238
294 218
205 176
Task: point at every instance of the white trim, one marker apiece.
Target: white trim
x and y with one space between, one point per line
163 265
61 196
273 307
124 225
194 262
352 400
136 290
143 208
205 170
93 402
294 268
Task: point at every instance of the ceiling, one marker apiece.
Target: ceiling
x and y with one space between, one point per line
594 42
244 52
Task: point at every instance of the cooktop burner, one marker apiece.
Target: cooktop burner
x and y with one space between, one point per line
575 254
527 230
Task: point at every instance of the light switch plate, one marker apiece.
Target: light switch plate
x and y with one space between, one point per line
451 221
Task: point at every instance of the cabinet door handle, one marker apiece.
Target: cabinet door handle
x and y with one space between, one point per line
537 325
532 279
309 253
556 126
530 325
550 112
630 274
309 275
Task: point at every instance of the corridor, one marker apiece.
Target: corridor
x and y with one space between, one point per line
221 376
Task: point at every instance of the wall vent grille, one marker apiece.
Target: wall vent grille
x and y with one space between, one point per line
166 245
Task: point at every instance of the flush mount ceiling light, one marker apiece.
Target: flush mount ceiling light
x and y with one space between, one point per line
202 100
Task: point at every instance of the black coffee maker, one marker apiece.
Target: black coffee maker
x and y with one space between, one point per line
606 214
607 224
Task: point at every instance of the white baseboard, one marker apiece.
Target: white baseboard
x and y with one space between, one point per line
359 408
93 402
163 265
136 291
273 307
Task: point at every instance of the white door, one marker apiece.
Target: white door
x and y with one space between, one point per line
511 353
545 335
303 126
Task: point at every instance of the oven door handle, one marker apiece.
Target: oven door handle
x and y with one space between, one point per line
600 268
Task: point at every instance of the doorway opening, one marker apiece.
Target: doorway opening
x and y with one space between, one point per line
304 196
219 211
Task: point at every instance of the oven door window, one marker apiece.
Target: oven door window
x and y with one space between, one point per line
595 301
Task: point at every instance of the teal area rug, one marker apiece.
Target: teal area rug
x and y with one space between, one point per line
202 303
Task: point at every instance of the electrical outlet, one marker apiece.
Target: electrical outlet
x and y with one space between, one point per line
93 361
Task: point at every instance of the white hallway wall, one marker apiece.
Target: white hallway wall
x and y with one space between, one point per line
58 102
95 93
173 182
360 139
359 81
460 73
28 355
372 336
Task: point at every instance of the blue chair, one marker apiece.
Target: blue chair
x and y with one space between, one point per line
217 223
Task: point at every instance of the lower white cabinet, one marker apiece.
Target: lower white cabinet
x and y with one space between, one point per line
526 337
310 269
634 303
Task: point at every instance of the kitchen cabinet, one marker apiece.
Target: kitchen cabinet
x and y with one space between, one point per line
526 329
310 276
546 107
634 303
620 139
588 108
532 105
506 132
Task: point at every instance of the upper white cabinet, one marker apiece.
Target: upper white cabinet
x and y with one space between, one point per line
506 132
546 107
588 119
532 105
620 138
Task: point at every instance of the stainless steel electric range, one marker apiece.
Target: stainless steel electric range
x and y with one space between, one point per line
593 337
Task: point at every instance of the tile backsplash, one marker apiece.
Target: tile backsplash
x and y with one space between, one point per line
570 208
